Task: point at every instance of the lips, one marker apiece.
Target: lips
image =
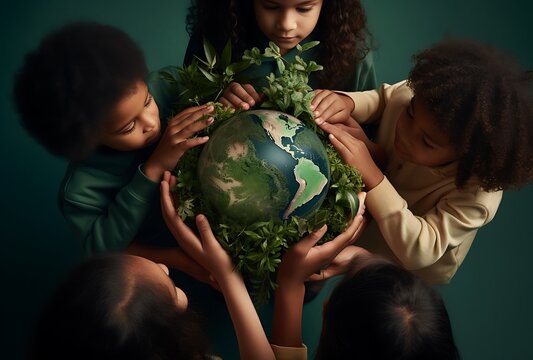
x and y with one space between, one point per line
286 38
153 138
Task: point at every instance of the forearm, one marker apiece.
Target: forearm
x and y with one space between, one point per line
172 257
287 322
253 343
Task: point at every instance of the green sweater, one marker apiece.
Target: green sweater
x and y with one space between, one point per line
107 200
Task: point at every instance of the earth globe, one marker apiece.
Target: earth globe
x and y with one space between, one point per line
263 165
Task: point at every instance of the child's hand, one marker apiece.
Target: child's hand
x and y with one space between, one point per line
355 153
304 259
331 107
342 263
239 96
177 139
205 250
353 128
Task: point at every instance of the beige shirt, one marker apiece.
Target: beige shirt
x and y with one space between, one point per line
421 219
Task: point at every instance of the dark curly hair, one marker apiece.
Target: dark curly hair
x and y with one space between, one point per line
67 87
341 30
484 101
105 309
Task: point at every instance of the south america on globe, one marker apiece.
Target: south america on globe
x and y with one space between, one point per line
263 165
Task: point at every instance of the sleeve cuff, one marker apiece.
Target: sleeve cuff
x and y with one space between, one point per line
141 187
384 200
289 353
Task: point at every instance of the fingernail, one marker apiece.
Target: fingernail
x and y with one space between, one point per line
319 121
210 120
312 107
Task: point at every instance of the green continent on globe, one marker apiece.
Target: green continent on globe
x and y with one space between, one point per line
262 165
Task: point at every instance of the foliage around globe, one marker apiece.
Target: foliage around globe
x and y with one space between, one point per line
261 165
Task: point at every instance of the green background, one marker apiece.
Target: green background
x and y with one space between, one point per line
489 299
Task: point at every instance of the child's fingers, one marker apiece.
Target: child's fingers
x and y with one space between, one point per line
252 93
320 94
242 92
172 182
179 123
362 206
330 249
206 234
190 143
167 206
342 149
205 109
192 128
310 240
226 103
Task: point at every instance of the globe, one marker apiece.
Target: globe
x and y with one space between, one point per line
263 165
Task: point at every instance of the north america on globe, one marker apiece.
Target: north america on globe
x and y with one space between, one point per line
261 165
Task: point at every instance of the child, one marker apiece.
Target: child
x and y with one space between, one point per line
339 25
454 135
82 94
126 307
379 311
117 306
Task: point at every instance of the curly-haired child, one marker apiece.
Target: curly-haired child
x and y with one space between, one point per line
85 94
456 134
339 25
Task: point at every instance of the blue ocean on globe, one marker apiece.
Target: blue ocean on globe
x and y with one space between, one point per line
261 165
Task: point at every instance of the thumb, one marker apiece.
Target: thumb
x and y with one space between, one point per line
311 239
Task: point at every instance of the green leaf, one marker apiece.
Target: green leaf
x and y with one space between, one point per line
309 45
272 45
281 65
209 52
209 76
225 58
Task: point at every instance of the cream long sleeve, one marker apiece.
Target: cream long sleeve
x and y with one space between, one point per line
421 219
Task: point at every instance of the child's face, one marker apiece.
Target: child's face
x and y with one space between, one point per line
287 22
134 121
419 139
159 273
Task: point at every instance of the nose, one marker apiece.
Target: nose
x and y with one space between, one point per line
287 21
149 123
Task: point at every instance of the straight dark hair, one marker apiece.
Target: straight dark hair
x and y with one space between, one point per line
101 312
384 312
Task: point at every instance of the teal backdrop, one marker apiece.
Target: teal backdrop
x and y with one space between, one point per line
490 298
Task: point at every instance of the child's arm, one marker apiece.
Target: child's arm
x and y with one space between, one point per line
240 96
418 241
106 205
206 250
298 265
355 153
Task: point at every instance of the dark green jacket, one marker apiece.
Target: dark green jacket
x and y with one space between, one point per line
107 200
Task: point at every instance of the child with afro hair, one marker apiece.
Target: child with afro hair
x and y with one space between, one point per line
86 95
451 138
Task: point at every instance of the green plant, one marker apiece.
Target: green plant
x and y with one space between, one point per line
257 249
